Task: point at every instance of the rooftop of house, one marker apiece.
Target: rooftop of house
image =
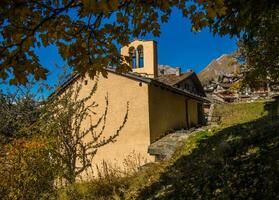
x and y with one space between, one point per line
173 79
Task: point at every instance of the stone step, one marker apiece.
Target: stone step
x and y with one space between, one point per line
166 146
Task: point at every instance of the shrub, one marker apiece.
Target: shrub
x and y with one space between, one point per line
27 170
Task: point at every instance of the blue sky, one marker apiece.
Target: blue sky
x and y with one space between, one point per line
177 46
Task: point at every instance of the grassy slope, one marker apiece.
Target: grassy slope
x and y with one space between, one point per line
237 160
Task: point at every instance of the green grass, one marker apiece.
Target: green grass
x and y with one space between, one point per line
232 114
237 160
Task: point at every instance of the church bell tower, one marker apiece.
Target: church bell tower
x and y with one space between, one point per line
143 57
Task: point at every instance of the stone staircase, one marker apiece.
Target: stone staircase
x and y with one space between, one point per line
166 146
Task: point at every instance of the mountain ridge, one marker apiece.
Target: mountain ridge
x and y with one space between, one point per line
225 64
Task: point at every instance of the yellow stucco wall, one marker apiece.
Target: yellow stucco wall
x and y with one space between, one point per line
166 112
150 57
134 138
153 111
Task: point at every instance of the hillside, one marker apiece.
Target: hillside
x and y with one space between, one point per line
165 69
236 160
222 65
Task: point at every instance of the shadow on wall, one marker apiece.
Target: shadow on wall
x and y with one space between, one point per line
238 162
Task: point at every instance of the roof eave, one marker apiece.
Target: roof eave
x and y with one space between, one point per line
180 91
137 78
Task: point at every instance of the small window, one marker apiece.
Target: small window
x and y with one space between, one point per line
133 57
140 56
85 82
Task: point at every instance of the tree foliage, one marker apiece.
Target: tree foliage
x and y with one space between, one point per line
86 32
256 24
17 111
26 169
259 49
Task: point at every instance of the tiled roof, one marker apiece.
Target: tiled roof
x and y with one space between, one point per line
173 79
138 78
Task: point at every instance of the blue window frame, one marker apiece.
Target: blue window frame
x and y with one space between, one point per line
140 56
133 57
